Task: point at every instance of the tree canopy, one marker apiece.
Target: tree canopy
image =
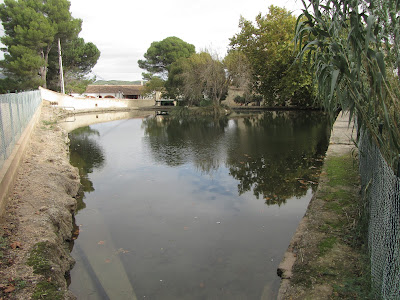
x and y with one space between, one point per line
268 46
160 55
31 31
197 78
79 58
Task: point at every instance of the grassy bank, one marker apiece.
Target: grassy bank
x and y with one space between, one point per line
331 256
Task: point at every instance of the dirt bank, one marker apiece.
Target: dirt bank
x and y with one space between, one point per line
325 258
37 225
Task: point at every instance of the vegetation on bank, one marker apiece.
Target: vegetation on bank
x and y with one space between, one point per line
336 255
352 49
40 259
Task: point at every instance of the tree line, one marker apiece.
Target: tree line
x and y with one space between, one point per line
261 62
32 29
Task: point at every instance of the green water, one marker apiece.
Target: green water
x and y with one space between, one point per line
192 209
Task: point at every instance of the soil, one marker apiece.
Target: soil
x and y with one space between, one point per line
325 257
37 226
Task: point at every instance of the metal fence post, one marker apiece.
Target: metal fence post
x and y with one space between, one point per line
3 138
398 167
12 123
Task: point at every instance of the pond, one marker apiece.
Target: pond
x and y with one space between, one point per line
191 208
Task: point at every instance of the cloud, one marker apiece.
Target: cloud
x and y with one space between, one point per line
123 30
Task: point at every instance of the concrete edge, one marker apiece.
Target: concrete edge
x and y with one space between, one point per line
8 172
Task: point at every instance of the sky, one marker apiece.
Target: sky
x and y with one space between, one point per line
123 30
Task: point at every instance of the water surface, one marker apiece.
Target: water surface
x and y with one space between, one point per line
191 209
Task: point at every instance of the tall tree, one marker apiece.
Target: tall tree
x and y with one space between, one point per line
199 77
31 29
79 58
268 46
161 55
240 72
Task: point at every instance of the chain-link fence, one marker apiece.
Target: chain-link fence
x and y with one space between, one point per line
381 189
16 110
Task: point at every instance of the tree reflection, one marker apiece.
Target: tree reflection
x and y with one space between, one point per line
277 155
86 155
176 141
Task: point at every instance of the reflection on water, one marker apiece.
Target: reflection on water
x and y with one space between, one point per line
85 154
173 206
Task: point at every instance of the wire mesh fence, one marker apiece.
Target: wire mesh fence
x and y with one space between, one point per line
16 110
381 189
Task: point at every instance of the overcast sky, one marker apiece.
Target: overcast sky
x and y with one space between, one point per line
123 30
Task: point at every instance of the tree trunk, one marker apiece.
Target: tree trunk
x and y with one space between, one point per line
43 69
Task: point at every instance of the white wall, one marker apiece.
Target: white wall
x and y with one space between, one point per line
81 103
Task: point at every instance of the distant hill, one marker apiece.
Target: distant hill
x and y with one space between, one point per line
116 82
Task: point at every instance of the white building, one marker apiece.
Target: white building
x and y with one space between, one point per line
115 91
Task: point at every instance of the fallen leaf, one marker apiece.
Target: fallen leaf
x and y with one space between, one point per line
9 289
302 181
121 250
16 245
107 261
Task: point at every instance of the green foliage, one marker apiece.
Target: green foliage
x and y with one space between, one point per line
240 73
326 244
246 100
240 99
78 60
39 259
8 85
47 290
77 84
268 48
4 243
348 46
31 32
154 84
197 78
162 54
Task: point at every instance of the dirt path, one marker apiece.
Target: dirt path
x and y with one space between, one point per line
324 259
37 225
